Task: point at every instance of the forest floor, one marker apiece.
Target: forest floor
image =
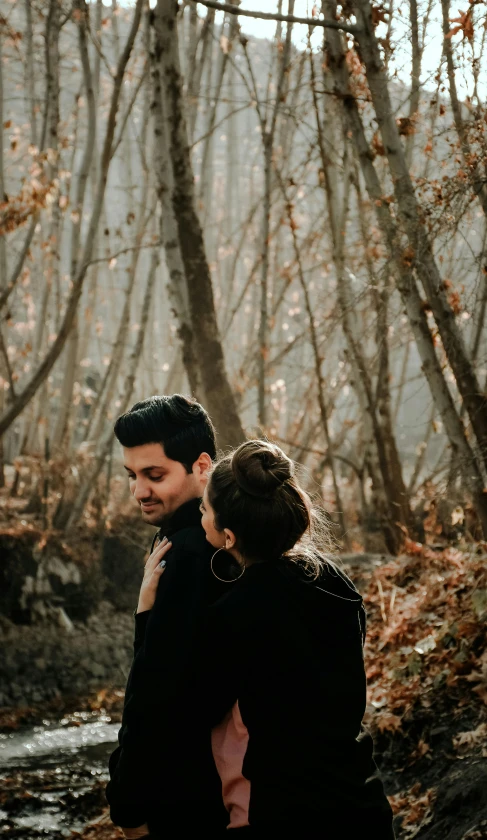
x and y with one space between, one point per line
426 661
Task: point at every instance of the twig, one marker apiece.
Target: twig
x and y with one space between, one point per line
308 21
129 109
114 256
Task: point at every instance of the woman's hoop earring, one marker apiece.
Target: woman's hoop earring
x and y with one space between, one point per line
215 574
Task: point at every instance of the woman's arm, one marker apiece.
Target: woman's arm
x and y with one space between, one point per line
219 667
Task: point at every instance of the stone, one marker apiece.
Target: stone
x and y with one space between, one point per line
97 670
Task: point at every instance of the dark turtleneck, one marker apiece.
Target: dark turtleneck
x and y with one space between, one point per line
186 516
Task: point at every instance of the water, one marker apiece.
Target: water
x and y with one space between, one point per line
26 748
52 776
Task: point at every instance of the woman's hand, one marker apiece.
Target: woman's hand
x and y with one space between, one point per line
153 570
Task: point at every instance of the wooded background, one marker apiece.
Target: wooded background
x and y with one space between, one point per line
293 230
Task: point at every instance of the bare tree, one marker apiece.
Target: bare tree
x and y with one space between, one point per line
268 122
216 388
177 288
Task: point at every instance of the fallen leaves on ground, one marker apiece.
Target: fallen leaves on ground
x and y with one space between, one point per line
414 805
427 656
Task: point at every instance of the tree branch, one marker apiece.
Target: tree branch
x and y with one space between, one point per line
308 21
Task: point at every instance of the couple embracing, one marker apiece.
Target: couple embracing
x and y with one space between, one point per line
244 704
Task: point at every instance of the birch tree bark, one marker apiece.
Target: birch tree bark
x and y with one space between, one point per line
215 385
71 350
177 288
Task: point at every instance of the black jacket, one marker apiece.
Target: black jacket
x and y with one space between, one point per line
163 770
291 652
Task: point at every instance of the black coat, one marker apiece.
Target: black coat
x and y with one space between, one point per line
291 652
163 770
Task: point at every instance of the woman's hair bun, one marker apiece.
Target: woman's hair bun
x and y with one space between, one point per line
260 468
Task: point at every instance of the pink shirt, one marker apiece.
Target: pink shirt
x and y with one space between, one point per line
229 743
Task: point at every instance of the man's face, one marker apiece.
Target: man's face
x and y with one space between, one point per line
159 484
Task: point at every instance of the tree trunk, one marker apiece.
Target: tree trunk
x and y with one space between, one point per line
263 351
216 388
71 350
388 486
109 383
196 70
268 131
318 362
206 176
106 442
178 293
29 71
4 365
477 179
415 76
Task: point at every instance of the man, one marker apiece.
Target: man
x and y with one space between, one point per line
163 778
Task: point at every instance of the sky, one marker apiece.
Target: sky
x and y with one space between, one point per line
401 60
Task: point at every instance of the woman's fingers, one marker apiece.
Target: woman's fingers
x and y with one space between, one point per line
158 547
153 571
153 578
158 562
157 555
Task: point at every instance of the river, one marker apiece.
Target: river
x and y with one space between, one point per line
52 776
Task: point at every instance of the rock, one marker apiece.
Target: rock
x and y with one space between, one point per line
97 670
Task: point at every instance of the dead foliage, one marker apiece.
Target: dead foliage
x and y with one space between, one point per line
427 655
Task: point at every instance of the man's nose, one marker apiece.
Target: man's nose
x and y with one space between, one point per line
141 489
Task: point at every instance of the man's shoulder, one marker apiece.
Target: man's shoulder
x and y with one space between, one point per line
191 539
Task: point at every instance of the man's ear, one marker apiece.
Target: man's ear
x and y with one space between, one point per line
230 539
201 467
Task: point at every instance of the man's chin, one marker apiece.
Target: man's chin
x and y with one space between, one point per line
153 517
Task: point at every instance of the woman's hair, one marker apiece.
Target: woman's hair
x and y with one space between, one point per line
254 492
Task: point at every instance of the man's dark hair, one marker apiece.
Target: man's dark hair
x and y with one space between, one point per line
181 425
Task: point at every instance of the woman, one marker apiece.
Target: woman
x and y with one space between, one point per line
282 676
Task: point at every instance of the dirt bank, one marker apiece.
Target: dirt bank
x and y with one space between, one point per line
44 661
